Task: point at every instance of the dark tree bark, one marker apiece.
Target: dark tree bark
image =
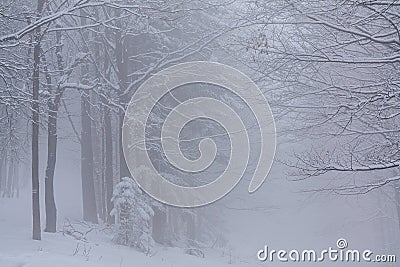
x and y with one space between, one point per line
2 173
122 73
103 206
10 177
108 164
36 233
16 181
123 167
107 149
51 210
88 191
397 200
52 104
159 227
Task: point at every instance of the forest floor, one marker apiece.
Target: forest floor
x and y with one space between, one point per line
77 244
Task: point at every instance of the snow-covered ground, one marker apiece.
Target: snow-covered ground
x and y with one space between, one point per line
274 216
17 249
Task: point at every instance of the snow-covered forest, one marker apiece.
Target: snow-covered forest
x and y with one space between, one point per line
330 70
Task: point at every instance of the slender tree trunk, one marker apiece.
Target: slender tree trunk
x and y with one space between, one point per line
122 73
103 208
88 191
14 184
16 180
10 177
123 167
397 198
2 159
52 140
159 226
36 233
108 164
51 210
108 150
4 174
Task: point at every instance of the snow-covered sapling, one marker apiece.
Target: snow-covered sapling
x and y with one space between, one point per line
133 215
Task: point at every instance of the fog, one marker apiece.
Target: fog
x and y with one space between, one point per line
94 172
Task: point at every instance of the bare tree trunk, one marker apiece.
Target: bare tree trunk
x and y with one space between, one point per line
16 180
108 164
10 177
122 66
108 150
2 173
36 233
53 105
397 198
123 167
159 227
103 208
88 193
51 210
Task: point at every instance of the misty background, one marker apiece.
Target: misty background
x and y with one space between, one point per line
329 70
